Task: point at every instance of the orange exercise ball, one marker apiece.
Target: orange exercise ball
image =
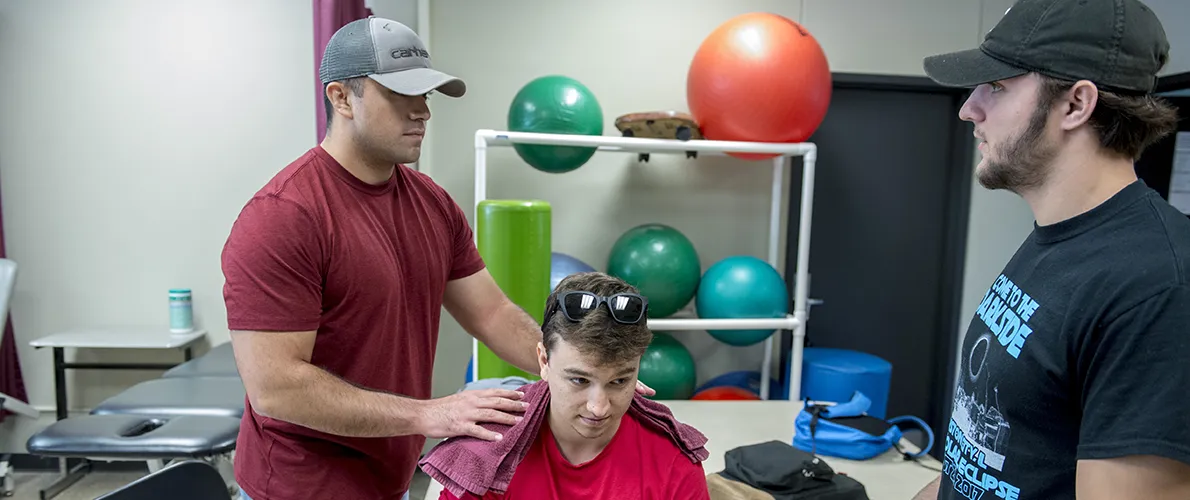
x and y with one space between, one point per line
759 77
725 393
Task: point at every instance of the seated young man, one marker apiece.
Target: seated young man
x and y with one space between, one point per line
589 445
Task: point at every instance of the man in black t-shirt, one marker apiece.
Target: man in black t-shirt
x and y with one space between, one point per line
1074 374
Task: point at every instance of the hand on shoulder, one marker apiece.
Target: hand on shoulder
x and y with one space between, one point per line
461 414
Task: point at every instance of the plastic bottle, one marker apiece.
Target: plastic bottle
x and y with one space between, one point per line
181 312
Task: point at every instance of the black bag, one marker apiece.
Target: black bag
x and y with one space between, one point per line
788 473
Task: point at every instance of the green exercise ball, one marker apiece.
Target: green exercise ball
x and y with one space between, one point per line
668 368
555 105
741 287
659 261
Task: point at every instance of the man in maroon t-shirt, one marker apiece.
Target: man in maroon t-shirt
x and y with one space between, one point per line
336 273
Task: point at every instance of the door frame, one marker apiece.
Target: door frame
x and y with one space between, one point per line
961 144
1170 83
1155 165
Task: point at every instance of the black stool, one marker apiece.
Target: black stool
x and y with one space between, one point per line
182 481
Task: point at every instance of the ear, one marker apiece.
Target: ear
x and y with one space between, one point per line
543 361
340 97
1078 104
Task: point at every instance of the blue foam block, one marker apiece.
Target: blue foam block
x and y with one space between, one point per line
835 374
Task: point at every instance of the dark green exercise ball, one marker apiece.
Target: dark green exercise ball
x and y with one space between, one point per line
660 262
555 104
668 368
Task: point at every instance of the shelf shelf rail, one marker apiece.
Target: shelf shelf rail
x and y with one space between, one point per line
487 138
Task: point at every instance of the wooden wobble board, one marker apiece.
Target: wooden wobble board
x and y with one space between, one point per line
660 125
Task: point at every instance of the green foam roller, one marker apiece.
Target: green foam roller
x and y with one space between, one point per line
513 237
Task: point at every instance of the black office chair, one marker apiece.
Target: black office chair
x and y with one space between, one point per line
189 480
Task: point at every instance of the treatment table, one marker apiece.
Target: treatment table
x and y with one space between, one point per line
730 424
191 412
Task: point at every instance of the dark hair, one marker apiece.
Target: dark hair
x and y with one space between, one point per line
597 335
1127 124
357 89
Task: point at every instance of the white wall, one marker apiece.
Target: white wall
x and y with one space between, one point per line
1175 18
128 147
132 132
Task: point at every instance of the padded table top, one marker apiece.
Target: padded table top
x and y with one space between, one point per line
220 361
136 437
215 396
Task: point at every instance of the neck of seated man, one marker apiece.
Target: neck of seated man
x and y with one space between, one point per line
589 397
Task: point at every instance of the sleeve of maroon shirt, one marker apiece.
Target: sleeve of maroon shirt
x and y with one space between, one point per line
272 266
466 260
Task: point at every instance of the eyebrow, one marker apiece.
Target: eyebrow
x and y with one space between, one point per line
581 373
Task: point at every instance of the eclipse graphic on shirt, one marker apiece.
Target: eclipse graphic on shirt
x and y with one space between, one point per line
978 351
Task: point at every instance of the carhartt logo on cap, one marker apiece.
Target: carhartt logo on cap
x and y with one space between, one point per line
410 52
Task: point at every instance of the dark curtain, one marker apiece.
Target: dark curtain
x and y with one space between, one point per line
329 16
11 382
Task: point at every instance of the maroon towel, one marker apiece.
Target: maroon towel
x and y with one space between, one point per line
466 464
657 416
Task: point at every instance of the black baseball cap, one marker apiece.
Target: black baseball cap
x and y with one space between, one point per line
1119 45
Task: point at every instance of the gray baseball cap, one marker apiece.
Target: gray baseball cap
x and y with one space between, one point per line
389 53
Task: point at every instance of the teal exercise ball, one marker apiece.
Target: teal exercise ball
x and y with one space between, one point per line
555 104
741 287
659 261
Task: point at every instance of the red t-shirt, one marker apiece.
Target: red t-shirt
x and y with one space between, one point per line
366 266
637 464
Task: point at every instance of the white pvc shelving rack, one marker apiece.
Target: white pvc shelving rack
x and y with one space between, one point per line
485 139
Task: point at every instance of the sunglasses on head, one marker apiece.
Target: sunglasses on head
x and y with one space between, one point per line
626 308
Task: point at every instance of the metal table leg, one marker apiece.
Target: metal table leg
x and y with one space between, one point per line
68 475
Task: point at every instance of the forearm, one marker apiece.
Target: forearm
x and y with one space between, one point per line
513 335
930 492
1146 477
312 397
